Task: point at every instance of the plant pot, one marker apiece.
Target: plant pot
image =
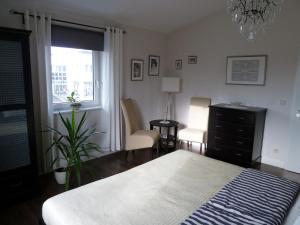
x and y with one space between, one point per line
60 175
76 105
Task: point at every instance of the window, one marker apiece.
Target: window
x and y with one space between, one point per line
88 89
72 70
75 58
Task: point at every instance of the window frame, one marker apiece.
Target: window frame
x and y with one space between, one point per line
85 104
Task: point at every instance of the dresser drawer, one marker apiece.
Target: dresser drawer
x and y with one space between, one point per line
216 153
233 116
221 139
233 129
237 157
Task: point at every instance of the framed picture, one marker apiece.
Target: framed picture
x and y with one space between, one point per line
178 64
246 70
192 59
137 69
154 64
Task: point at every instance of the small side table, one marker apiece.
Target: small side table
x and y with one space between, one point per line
169 141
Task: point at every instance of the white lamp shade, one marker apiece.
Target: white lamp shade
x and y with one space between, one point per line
170 84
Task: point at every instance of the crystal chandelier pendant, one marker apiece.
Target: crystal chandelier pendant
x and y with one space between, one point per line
252 16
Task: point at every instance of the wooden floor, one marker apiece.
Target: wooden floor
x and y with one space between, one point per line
29 212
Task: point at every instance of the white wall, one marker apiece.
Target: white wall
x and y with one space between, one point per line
138 43
294 150
213 39
147 93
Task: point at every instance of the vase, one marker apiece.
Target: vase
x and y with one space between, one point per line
60 175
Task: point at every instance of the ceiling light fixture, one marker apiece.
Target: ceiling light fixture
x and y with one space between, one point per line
253 15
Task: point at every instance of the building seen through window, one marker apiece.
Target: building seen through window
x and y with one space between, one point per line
72 70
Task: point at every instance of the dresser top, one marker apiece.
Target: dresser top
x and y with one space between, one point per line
243 108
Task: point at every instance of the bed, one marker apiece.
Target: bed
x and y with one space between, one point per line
163 191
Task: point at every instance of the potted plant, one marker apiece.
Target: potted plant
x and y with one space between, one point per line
72 146
74 103
60 175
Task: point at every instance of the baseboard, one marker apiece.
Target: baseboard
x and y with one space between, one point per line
273 162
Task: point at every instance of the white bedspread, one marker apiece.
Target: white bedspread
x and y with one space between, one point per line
161 192
294 214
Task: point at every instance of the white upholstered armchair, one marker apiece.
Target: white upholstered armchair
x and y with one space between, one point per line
136 138
196 130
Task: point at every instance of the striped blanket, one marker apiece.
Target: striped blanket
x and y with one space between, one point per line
253 197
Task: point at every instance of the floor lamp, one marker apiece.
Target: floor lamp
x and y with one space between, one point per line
169 85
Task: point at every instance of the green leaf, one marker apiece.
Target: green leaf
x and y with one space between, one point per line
73 145
73 122
82 121
64 121
63 149
55 142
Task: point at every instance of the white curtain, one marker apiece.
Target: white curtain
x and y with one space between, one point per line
112 85
40 26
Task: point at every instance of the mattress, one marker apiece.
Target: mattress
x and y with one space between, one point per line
163 191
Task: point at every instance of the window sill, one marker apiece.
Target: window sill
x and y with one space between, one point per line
81 109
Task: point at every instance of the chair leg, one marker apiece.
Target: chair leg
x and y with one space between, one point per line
126 154
191 146
200 148
157 147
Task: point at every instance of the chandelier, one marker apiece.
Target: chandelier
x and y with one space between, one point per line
253 15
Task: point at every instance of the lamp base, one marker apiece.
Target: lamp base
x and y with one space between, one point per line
164 122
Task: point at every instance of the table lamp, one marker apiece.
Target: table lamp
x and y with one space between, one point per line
169 85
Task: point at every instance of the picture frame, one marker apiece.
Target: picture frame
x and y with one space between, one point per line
153 65
246 70
192 59
178 64
137 69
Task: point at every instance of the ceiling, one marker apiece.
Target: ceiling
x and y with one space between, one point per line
159 15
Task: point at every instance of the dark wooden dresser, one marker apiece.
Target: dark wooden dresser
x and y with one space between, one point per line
235 134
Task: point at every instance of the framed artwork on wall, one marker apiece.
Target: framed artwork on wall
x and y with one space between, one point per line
137 69
192 59
154 64
178 64
246 70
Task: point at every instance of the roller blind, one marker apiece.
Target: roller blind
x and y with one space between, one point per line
76 38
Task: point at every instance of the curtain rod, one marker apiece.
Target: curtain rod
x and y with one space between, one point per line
14 12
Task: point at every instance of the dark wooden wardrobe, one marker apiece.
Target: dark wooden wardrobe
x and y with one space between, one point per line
18 170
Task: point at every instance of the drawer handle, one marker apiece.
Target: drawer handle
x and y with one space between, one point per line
240 142
219 114
218 149
219 138
240 130
218 126
242 118
238 154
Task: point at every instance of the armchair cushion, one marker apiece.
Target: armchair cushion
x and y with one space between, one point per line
191 134
142 139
